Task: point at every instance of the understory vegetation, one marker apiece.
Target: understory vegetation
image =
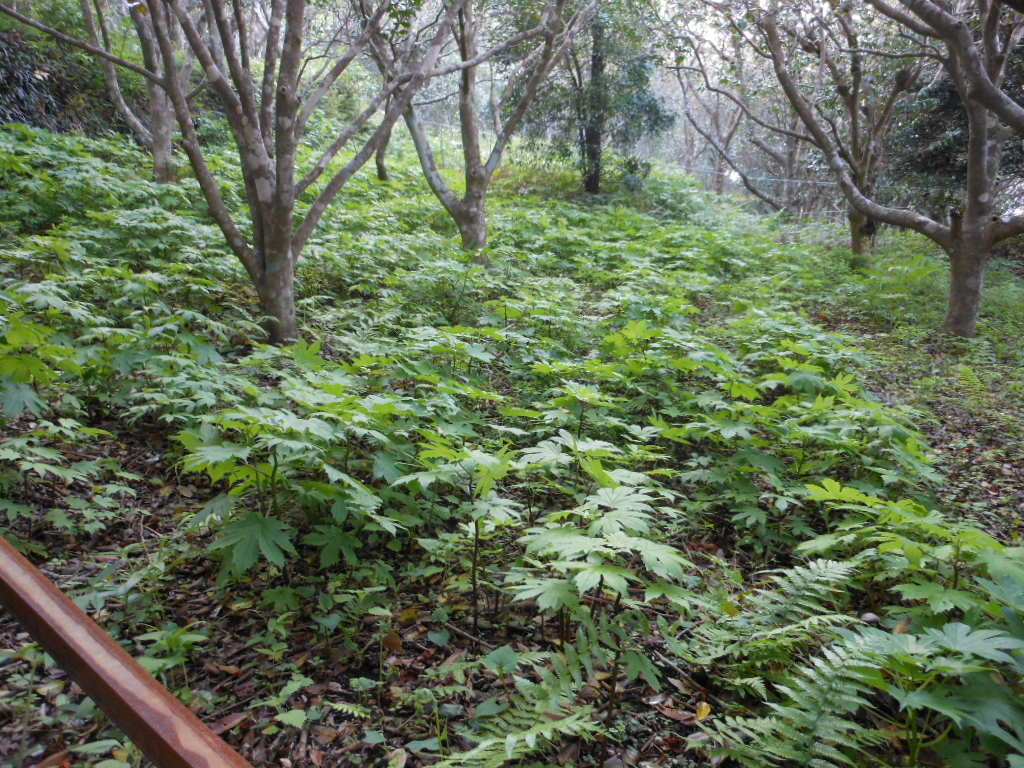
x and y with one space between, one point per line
661 483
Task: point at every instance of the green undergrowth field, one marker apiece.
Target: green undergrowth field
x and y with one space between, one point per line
663 483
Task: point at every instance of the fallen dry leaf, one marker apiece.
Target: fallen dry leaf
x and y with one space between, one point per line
409 615
324 735
228 722
56 760
676 714
227 669
680 685
570 751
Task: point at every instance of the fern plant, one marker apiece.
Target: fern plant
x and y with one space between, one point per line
748 636
817 722
531 718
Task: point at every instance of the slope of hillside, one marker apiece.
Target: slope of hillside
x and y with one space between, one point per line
648 486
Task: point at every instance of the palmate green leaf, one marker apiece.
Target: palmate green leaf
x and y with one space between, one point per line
550 594
830 490
281 599
628 510
544 452
940 599
681 598
490 469
67 474
621 520
621 498
805 381
827 542
989 644
17 397
359 494
566 543
502 661
995 710
385 466
585 394
939 698
252 535
307 356
202 456
611 577
766 462
638 665
100 747
593 468
584 445
293 717
729 428
22 334
388 524
1008 591
663 560
743 390
334 541
216 509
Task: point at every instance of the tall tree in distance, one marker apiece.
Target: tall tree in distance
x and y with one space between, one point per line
155 129
601 94
972 44
255 63
929 146
529 64
732 102
828 47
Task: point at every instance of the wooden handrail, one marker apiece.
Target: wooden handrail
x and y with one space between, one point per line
161 726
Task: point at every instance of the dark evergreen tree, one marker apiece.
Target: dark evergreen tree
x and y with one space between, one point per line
929 146
601 95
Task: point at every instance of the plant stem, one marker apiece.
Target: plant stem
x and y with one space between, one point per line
476 555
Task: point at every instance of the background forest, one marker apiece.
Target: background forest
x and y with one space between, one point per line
482 383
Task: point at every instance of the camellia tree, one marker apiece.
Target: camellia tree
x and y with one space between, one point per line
968 43
154 130
529 66
602 94
254 58
854 94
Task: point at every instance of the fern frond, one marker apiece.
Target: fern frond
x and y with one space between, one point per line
352 710
805 590
794 610
519 732
753 684
816 724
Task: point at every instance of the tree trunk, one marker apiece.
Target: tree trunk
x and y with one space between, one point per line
160 109
161 128
592 140
277 299
966 277
593 132
719 178
380 156
858 238
472 223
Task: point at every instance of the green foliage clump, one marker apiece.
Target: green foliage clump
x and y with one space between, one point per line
609 433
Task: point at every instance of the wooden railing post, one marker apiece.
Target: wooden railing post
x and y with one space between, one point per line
169 733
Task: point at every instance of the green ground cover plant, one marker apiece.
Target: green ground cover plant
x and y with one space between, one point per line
631 491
